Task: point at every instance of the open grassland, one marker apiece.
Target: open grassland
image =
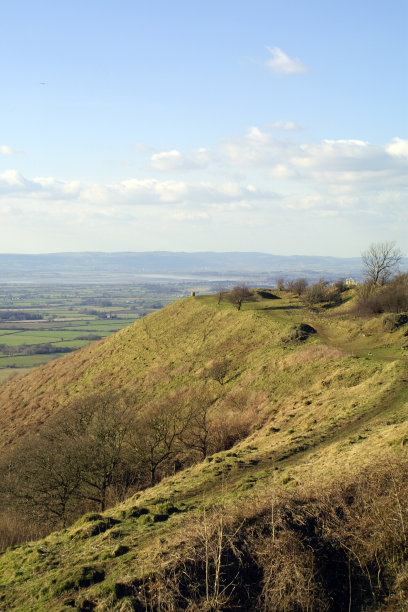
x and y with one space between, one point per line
314 495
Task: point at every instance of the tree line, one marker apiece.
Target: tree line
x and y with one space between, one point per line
44 348
19 315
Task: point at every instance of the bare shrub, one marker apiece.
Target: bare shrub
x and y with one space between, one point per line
321 292
297 286
289 575
230 427
341 285
346 543
202 572
389 298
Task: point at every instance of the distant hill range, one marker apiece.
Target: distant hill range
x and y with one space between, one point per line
133 266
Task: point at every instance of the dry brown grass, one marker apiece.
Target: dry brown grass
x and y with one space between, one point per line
340 548
317 352
15 529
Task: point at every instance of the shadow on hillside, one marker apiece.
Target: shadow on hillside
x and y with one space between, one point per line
290 307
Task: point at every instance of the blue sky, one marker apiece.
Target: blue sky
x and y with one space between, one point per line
229 125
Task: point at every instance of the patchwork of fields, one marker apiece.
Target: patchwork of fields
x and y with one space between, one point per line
39 323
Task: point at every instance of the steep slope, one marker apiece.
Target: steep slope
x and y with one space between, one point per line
166 350
323 407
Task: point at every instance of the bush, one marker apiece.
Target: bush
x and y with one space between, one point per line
389 298
341 285
394 321
218 370
321 292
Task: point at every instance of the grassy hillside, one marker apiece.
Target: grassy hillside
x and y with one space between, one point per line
325 413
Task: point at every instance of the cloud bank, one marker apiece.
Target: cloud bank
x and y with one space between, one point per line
253 182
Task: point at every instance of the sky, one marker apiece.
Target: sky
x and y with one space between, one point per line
225 125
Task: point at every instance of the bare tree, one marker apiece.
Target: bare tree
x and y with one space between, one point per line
297 286
280 284
199 433
221 291
380 261
239 295
156 437
42 480
106 419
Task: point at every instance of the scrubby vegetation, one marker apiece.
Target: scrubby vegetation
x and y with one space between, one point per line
256 463
376 299
340 548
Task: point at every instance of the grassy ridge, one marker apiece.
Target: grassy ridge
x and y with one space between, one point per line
321 408
65 315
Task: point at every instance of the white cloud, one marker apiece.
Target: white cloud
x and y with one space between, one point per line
398 147
127 194
183 215
174 160
339 164
280 63
287 126
168 160
354 164
5 150
350 180
255 149
12 181
280 171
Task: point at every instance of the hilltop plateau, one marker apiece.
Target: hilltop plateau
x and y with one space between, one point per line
283 486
